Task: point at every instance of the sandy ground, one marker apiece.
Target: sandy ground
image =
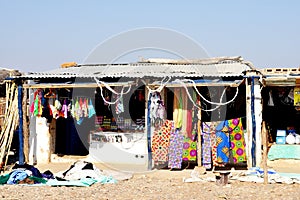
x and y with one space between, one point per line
158 184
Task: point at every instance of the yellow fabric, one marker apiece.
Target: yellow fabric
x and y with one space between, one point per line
177 113
184 111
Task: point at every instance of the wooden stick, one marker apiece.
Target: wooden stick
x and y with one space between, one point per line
265 146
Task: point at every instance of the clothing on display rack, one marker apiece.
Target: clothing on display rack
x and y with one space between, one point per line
78 109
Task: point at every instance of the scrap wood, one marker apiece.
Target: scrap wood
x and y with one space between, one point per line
10 122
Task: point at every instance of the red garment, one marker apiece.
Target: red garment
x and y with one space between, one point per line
189 124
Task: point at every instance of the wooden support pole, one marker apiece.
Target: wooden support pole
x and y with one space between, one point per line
148 125
21 146
265 151
25 126
199 144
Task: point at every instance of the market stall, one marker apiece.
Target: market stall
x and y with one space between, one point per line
281 112
145 113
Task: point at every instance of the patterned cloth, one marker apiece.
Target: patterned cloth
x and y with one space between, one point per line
175 150
237 141
161 141
206 145
222 142
189 150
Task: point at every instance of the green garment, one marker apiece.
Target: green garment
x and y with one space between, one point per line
4 179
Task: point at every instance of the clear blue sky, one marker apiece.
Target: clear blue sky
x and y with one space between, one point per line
41 35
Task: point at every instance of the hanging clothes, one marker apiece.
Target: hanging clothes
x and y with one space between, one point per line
119 105
77 111
160 142
189 123
84 108
64 109
213 142
237 141
189 150
222 142
184 118
206 145
36 107
91 109
177 111
175 150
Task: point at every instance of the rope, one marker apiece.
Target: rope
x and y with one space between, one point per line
191 99
213 103
159 89
182 82
119 95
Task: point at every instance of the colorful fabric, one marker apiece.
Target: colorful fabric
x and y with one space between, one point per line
178 104
189 150
206 145
64 109
184 117
222 142
160 142
36 107
91 109
237 141
213 143
189 125
175 150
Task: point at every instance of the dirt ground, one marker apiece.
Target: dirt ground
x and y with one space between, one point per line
157 184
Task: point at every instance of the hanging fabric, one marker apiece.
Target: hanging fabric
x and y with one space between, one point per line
64 109
185 117
36 107
178 104
175 150
222 142
206 145
91 109
213 142
160 142
237 141
189 124
119 105
157 109
77 110
84 108
189 150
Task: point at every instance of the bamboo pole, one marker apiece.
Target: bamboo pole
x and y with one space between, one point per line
10 122
265 149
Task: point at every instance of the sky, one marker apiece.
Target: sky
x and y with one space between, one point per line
41 35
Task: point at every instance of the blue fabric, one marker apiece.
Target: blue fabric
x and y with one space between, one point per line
91 109
284 151
16 176
222 142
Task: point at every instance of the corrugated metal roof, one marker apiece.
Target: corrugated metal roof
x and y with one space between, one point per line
134 70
